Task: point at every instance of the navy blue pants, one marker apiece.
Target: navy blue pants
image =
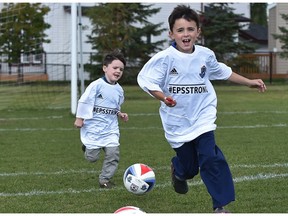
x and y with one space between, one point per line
203 154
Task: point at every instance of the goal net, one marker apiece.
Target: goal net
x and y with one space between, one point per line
40 77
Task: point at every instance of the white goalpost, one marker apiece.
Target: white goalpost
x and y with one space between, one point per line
74 63
75 41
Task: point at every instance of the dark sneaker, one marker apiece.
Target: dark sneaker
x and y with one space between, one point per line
83 148
221 210
180 187
107 185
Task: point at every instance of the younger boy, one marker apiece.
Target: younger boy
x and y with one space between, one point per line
97 116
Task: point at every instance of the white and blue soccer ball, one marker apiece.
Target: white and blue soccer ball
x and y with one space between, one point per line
139 179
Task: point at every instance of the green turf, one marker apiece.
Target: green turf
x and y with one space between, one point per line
43 170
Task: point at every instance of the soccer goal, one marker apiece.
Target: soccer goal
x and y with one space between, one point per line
39 61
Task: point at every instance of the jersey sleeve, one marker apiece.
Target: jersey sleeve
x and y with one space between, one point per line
226 70
152 75
121 98
86 103
218 70
84 111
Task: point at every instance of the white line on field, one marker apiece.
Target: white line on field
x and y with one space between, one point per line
260 176
143 114
224 112
153 114
36 129
61 172
259 165
253 126
30 118
71 171
142 128
253 112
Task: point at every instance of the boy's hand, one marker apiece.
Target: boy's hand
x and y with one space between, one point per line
78 122
123 116
169 101
259 84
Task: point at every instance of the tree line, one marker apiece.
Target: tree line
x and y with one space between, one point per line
126 26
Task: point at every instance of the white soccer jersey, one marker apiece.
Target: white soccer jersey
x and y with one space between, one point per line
185 77
99 106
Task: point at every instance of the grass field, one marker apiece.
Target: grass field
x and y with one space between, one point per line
43 169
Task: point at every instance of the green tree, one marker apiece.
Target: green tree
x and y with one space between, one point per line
22 29
220 31
283 38
258 13
123 26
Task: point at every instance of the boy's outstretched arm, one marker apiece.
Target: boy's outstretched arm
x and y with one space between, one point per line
252 83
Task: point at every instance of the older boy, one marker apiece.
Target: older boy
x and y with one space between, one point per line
179 77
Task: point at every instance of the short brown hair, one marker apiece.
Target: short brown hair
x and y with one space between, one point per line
114 55
183 11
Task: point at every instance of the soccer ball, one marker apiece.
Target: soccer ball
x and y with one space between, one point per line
129 210
139 179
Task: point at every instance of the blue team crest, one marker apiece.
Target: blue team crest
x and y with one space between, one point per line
203 71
